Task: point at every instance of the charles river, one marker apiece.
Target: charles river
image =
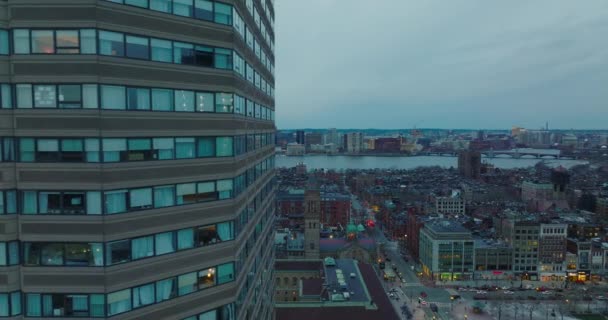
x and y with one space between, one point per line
371 162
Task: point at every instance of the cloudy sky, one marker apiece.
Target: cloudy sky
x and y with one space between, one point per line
441 63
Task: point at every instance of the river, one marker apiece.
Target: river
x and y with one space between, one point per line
371 162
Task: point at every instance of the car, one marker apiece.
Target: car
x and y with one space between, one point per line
480 297
505 288
508 292
455 297
392 295
402 280
463 289
434 307
481 292
601 298
546 292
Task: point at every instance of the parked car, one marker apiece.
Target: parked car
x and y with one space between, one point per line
508 292
434 307
463 289
481 292
546 292
601 298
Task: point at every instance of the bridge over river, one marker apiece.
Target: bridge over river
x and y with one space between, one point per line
514 153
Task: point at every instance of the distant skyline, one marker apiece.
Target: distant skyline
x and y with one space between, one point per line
442 64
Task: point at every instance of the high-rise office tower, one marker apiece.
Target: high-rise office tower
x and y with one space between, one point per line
137 159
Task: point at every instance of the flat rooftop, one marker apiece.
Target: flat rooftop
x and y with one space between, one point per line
380 309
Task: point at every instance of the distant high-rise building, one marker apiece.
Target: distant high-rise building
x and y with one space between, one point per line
300 137
143 187
332 136
353 142
469 164
313 138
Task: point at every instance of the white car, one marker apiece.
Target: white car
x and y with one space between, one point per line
463 289
546 292
508 292
481 292
601 298
505 288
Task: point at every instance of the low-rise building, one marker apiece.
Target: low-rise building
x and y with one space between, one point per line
295 149
454 203
552 251
493 259
447 251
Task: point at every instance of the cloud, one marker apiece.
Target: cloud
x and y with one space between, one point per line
450 64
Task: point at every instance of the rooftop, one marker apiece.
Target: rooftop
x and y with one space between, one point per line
379 307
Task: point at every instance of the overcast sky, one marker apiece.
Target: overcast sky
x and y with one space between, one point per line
441 63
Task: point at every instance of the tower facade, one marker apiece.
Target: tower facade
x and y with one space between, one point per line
312 227
137 167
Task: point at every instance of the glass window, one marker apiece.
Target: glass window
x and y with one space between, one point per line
223 13
139 149
224 102
140 199
204 102
68 41
138 47
47 150
88 41
15 303
3 255
223 59
184 148
203 9
182 8
32 308
27 148
186 283
113 148
24 96
138 99
206 191
186 193
166 289
161 5
113 97
45 96
52 254
137 3
203 56
165 243
116 201
21 41
72 150
224 147
97 302
111 43
224 187
206 147
183 53
142 247
185 239
225 231
164 196
161 50
206 278
78 254
89 92
91 148
162 100
69 96
225 273
118 252
207 235
119 302
184 100
4 40
43 41
163 148
5 92
13 253
93 202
